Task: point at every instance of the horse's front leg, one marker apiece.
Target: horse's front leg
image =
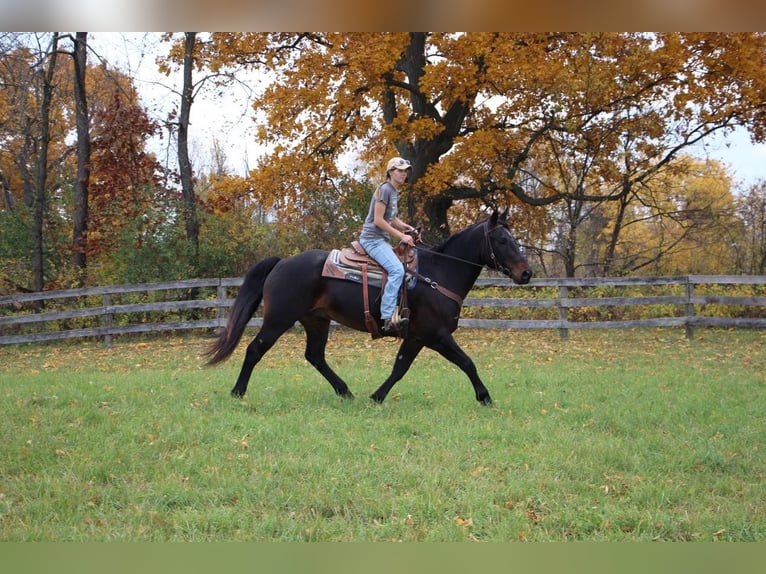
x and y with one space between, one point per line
448 348
408 350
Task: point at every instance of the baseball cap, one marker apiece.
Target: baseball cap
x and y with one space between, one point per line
397 163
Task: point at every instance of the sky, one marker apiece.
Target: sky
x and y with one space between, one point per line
227 117
746 161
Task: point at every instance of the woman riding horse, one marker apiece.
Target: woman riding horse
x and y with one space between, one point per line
295 290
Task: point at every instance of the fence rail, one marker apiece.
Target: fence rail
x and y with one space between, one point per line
202 304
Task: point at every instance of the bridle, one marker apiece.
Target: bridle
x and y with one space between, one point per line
448 293
497 265
487 244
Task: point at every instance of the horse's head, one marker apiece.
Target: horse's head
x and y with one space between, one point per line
504 253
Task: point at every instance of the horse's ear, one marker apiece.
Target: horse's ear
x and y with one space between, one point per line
493 217
504 215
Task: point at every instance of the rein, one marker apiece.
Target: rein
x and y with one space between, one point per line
443 290
487 232
429 249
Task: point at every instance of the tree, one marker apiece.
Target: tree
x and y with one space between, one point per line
184 163
486 118
751 248
128 200
186 54
41 171
41 163
33 149
684 223
80 229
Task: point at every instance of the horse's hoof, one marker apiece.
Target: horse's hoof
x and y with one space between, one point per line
237 394
377 399
486 401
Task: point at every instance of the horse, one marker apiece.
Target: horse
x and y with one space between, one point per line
294 290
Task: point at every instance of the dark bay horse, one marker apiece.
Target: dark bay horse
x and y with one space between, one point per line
293 289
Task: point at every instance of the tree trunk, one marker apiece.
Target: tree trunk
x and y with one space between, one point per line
612 249
184 164
425 151
8 202
435 212
761 228
79 233
570 252
41 168
569 247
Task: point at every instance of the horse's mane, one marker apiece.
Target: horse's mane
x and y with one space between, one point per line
443 245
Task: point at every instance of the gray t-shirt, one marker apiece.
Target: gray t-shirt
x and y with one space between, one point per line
388 194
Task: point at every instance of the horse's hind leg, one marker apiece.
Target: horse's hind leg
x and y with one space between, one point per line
317 333
257 348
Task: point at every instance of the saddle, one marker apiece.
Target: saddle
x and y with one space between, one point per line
354 264
349 263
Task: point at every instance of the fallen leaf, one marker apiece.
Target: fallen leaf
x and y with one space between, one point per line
533 516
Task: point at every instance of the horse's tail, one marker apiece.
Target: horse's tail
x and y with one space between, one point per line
246 303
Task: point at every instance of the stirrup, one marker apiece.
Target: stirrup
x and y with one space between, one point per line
401 321
389 329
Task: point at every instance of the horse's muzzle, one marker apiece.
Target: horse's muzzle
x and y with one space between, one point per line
523 277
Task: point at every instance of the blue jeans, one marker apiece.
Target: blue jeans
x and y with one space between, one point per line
382 252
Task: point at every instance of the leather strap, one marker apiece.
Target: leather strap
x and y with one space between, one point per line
369 321
443 290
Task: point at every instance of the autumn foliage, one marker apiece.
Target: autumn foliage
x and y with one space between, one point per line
591 139
562 127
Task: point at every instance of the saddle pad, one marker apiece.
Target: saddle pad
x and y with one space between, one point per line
346 264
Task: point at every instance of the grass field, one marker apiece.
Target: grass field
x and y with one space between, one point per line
611 435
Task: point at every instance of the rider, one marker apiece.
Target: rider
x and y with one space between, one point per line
381 223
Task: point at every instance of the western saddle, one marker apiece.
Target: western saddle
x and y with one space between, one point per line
354 264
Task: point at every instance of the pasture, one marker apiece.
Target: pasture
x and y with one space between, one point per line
613 435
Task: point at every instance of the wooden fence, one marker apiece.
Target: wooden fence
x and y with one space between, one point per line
561 304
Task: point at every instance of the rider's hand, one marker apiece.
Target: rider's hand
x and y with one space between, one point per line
414 233
408 240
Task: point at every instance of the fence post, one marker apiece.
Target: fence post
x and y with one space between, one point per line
563 311
220 316
689 309
107 320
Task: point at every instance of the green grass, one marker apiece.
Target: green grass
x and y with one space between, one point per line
611 435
